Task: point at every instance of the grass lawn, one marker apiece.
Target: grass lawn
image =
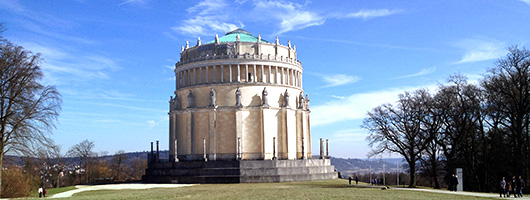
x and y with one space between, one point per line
52 191
329 189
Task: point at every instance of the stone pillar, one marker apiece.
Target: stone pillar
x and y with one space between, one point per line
207 74
152 153
289 117
212 129
176 151
327 148
276 74
238 154
269 126
246 73
269 76
262 74
189 135
303 149
214 73
321 149
254 75
239 133
222 73
172 134
274 148
204 150
157 151
194 76
230 72
238 73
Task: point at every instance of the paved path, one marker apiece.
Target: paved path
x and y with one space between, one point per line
476 194
126 186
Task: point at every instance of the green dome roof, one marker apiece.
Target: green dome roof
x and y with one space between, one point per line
244 36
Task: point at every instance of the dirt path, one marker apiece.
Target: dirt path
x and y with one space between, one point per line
127 186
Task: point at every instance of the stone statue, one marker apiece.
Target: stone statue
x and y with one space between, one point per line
277 41
191 101
301 100
307 102
264 97
176 102
212 98
286 99
171 104
238 97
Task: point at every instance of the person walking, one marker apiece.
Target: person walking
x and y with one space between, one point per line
502 190
40 192
454 182
356 180
350 180
521 186
514 187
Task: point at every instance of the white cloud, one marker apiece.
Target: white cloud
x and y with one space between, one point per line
334 80
151 123
356 106
526 1
423 71
338 97
68 65
290 16
208 17
366 14
480 50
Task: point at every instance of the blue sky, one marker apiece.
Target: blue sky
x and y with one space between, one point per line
112 60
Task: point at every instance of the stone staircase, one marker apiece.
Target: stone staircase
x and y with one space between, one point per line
239 171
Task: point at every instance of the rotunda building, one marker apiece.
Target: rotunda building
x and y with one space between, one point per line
239 97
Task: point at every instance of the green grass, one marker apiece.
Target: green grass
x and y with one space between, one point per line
52 191
329 189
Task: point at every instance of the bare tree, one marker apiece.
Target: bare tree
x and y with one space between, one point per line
398 129
28 109
83 151
118 164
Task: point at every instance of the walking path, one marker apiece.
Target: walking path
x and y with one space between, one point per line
476 194
126 186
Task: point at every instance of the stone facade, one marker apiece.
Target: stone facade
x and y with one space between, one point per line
239 100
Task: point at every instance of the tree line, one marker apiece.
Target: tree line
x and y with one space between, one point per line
79 165
481 127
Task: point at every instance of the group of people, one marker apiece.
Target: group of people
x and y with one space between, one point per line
356 180
42 192
515 187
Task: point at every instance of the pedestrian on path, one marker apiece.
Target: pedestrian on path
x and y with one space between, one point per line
502 190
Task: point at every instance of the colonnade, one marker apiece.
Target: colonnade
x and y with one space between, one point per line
239 73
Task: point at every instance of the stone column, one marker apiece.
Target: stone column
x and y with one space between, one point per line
157 151
214 73
262 74
194 76
246 73
304 156
276 75
321 149
327 148
222 73
230 72
238 73
254 75
239 134
207 74
176 151
204 150
274 148
269 76
200 75
172 135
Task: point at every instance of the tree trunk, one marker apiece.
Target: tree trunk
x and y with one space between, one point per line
412 174
1 162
